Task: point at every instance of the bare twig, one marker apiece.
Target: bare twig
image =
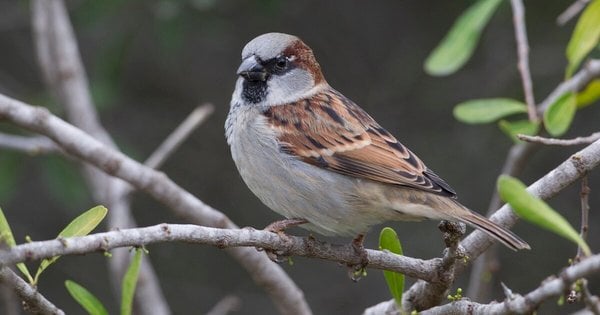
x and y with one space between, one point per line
589 71
516 304
30 145
174 140
523 53
571 11
226 305
33 301
585 210
562 142
288 298
591 301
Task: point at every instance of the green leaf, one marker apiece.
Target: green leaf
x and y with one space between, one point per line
388 239
85 223
482 111
537 211
129 282
558 117
7 237
513 128
80 226
85 298
585 36
458 45
589 95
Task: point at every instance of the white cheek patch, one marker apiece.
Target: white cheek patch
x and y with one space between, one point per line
289 87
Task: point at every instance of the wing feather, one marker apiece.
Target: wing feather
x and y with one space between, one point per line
330 131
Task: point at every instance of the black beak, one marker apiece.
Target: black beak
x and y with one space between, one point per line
252 71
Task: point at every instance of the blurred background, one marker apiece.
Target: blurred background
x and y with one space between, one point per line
151 62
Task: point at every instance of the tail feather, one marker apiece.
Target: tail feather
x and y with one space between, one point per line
506 237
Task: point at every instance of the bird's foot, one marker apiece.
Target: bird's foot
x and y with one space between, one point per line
279 227
359 270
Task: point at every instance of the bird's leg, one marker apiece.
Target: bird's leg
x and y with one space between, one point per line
279 228
355 272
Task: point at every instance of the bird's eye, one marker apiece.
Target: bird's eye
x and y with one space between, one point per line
281 63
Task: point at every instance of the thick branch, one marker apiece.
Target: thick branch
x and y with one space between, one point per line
222 238
288 298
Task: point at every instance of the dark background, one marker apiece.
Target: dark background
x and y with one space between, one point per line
151 62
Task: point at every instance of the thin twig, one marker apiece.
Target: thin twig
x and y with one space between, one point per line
571 12
31 145
589 71
33 301
523 53
174 140
591 301
585 210
226 305
562 142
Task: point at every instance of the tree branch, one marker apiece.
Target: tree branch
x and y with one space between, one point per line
523 53
571 11
562 142
287 297
34 302
29 145
182 132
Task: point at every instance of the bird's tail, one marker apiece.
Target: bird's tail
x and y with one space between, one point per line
506 237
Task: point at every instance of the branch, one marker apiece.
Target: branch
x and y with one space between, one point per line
60 62
590 71
34 302
562 142
29 145
222 238
182 132
288 298
517 304
226 305
514 304
571 12
523 53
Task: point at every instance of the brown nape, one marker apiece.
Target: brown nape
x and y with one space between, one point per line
305 59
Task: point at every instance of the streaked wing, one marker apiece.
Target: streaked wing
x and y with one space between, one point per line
330 131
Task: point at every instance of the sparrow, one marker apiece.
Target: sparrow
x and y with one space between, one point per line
314 156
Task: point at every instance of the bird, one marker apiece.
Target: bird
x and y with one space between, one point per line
315 157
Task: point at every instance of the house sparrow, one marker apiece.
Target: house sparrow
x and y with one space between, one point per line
312 155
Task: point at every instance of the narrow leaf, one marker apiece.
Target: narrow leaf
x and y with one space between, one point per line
85 298
80 226
585 36
7 237
537 211
513 128
388 239
589 95
558 117
130 282
458 45
481 111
